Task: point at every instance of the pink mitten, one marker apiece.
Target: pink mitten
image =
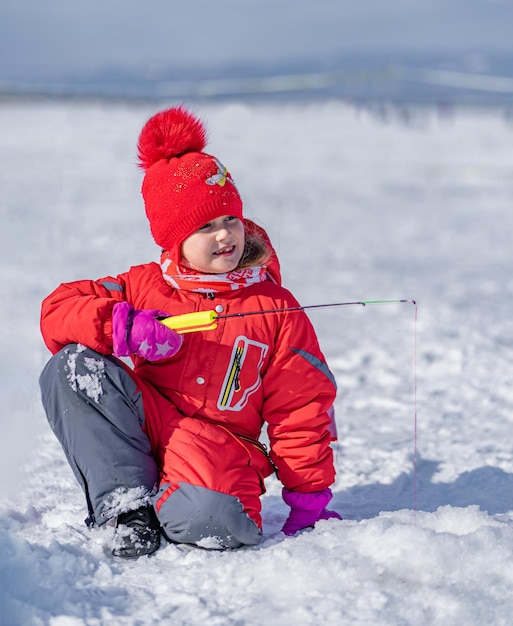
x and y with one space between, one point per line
140 332
306 509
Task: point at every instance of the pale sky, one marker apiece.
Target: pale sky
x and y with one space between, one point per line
52 38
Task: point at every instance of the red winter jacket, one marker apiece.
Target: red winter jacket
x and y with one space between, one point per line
206 406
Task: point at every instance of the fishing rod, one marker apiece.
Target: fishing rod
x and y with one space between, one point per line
207 320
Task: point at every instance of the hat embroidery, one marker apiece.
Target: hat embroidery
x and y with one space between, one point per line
220 177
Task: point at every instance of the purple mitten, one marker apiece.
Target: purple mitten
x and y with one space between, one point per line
306 509
140 332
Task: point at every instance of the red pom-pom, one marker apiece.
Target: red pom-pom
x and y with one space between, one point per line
168 134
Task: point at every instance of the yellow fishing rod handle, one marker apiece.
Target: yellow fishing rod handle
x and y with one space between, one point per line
191 322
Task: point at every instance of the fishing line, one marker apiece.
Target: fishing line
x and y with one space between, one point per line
415 416
415 413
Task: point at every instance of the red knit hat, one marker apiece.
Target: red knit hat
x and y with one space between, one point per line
183 187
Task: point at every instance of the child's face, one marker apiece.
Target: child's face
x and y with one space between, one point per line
216 247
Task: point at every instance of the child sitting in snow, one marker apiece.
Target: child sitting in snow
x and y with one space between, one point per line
171 446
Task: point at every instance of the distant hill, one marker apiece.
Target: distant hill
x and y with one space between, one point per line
464 78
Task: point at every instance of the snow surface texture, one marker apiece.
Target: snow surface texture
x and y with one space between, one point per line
360 207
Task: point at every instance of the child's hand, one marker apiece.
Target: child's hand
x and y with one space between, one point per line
306 509
140 332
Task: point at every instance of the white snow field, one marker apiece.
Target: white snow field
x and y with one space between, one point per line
410 203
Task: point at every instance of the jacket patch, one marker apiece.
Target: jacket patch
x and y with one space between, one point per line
242 376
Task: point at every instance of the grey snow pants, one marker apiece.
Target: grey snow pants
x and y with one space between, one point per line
96 412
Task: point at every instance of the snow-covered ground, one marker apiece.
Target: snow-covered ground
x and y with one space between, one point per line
414 204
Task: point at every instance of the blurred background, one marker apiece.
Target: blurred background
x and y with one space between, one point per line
439 52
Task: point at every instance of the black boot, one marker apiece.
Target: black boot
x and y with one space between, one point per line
137 533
